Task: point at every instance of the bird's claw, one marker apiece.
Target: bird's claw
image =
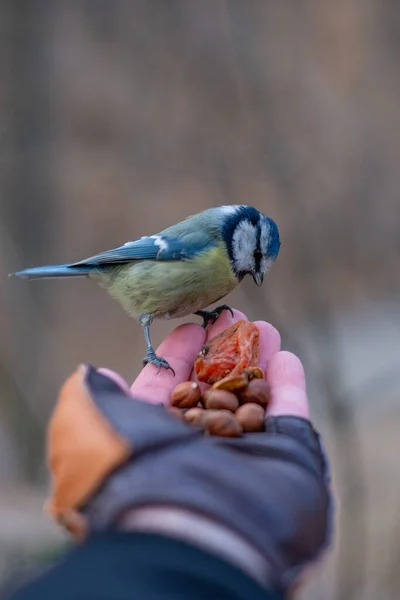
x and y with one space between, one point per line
152 358
210 316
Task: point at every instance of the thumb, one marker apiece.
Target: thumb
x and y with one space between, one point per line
287 382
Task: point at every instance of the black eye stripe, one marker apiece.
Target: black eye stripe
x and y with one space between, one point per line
258 255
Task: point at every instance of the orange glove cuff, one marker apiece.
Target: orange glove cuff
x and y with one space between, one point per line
83 449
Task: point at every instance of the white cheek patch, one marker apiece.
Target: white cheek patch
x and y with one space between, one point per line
266 264
265 229
244 243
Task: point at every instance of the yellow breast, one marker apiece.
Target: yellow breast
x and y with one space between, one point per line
175 288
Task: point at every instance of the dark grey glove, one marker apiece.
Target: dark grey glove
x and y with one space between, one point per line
271 488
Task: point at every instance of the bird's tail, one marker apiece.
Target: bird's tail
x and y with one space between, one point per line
55 271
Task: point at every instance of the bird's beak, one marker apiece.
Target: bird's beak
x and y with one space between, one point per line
258 278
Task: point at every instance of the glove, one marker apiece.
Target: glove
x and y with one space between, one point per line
109 453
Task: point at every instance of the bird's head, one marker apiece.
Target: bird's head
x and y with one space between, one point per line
252 241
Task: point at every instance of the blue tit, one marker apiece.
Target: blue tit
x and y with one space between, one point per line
182 269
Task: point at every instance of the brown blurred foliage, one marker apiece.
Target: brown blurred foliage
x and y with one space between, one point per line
120 118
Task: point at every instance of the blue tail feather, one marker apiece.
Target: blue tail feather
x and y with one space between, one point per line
54 271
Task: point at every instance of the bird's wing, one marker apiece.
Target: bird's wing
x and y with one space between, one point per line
155 247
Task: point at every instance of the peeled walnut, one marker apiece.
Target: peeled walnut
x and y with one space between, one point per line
186 395
220 399
257 391
232 383
222 423
251 417
228 353
254 373
196 416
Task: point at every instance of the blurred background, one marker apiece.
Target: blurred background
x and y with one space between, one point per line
120 118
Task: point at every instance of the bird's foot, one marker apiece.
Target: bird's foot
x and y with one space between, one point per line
210 316
152 358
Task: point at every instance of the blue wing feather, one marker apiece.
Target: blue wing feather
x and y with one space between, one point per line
156 247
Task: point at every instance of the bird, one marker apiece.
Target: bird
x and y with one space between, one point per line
181 270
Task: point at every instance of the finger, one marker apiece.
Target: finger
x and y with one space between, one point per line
270 343
287 382
120 381
179 349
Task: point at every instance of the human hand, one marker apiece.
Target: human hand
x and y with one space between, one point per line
285 373
281 505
